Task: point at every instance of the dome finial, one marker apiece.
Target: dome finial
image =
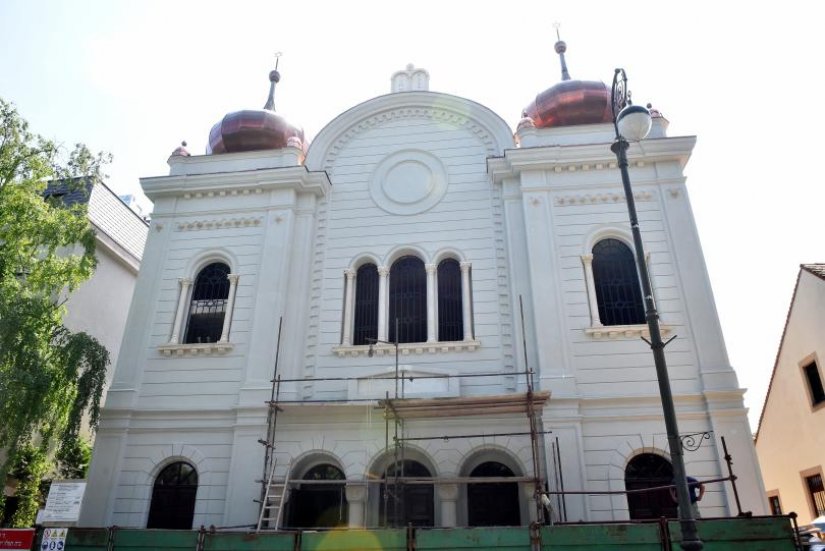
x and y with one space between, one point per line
274 77
561 47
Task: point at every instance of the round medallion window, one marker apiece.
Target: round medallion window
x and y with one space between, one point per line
408 182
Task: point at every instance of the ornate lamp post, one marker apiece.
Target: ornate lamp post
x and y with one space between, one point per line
632 123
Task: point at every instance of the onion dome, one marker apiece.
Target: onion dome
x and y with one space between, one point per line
255 129
181 150
570 102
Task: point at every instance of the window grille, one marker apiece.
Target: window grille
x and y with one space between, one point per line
817 493
776 506
208 305
408 503
450 314
365 324
617 284
318 505
493 503
649 470
173 497
814 383
408 300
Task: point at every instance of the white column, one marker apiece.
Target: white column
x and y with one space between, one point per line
383 305
448 495
230 306
349 293
183 297
465 301
587 260
431 306
357 499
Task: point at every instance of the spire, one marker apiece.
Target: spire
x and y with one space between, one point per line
274 77
561 47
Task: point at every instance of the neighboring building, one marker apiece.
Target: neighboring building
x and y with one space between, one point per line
790 441
415 217
99 305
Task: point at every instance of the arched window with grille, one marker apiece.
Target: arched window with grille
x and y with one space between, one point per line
450 313
173 497
406 503
493 503
648 470
408 300
365 323
616 282
207 306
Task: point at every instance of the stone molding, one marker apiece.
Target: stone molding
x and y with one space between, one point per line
196 349
624 331
219 223
600 198
407 349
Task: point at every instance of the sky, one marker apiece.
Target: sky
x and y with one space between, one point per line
136 78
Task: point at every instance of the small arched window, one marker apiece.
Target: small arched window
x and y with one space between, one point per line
408 300
365 324
208 305
618 294
173 497
450 314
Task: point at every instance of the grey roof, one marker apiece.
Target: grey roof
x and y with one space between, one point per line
816 269
107 212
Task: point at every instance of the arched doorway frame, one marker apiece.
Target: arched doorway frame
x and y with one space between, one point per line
616 474
376 472
315 458
491 453
164 456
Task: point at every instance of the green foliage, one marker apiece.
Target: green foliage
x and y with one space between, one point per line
29 468
73 459
49 376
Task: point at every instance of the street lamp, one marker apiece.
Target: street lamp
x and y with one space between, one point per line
632 123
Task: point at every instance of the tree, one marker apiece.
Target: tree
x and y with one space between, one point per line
50 377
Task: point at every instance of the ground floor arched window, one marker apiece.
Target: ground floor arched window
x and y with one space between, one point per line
493 503
403 503
649 470
173 497
322 505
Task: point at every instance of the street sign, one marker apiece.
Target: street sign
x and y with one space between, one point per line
15 539
54 539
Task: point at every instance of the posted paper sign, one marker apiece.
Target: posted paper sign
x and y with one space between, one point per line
54 539
63 503
15 539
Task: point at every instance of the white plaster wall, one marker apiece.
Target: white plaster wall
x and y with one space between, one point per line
791 440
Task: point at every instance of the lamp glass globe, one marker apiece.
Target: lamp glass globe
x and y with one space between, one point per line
634 123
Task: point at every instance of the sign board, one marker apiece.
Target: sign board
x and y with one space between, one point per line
15 539
54 539
63 503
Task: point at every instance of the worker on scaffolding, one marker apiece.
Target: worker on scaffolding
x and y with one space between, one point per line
696 490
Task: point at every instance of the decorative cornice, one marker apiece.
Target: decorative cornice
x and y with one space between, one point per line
407 349
429 113
196 349
600 198
623 331
195 225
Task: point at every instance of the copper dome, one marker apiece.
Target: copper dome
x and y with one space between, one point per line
251 130
255 129
571 102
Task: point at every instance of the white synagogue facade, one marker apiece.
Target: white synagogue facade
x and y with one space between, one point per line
451 314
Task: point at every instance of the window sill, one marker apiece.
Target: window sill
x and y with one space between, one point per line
406 349
195 349
623 331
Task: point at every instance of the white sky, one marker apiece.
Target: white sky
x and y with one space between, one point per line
135 78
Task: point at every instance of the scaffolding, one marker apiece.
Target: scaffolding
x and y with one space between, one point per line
400 413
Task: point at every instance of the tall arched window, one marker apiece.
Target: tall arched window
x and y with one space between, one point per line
649 470
208 305
493 503
406 503
365 324
318 505
408 300
173 497
616 280
450 314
